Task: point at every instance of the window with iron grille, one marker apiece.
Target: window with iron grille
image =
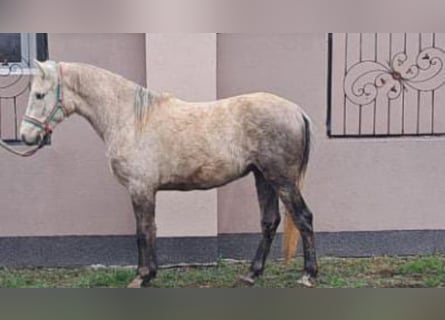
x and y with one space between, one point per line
17 51
386 85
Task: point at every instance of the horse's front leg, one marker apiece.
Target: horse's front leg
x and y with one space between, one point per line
144 210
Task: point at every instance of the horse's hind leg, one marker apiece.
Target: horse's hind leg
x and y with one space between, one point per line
270 219
302 216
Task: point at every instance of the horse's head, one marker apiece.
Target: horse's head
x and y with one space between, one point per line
45 105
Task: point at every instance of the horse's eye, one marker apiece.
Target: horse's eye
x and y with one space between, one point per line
40 96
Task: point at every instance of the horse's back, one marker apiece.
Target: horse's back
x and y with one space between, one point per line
243 121
254 109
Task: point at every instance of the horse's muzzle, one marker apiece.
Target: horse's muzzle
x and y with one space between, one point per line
37 140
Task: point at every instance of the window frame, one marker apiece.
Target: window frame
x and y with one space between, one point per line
385 135
33 46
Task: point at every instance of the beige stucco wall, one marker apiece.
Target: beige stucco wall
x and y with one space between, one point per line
361 184
184 64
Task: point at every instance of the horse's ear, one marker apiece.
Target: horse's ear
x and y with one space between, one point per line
41 68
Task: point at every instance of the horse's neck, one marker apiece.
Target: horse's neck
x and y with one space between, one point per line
104 99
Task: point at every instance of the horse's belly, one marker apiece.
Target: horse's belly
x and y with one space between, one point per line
204 177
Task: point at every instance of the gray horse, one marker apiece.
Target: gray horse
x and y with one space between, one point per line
158 142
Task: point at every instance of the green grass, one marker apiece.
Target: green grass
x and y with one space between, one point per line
428 271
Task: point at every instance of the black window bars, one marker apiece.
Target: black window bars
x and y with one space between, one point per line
385 85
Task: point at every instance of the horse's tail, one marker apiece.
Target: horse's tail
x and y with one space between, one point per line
291 233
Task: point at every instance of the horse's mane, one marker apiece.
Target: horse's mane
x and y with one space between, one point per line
144 99
144 102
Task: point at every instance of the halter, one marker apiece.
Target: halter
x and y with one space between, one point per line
46 124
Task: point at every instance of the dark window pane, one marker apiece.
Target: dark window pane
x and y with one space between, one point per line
42 46
10 47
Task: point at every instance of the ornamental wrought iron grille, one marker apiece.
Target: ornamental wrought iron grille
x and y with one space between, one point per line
386 84
17 50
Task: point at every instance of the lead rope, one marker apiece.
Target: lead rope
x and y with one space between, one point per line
25 153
